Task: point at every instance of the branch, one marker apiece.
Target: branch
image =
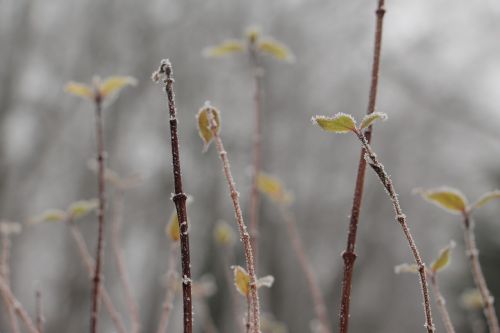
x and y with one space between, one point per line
16 305
5 274
170 288
441 304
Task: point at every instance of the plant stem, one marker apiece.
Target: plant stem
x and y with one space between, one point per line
256 151
349 255
88 261
179 197
244 236
120 261
312 283
401 218
473 254
170 290
39 311
5 274
100 213
16 305
441 304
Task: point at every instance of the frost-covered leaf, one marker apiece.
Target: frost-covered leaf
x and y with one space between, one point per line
173 230
273 188
339 123
50 215
204 117
229 46
114 84
266 281
79 89
370 118
10 228
406 268
443 259
277 49
447 198
224 234
471 299
486 198
81 208
241 280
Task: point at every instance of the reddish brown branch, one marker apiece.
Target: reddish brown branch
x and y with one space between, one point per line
5 274
39 312
349 255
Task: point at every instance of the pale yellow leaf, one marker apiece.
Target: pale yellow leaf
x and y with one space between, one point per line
173 230
486 198
241 280
81 208
273 188
339 123
224 234
277 49
114 84
79 89
443 259
229 46
406 268
471 299
204 117
370 118
51 215
447 198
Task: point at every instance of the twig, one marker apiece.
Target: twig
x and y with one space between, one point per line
349 255
441 304
179 198
312 283
88 261
235 302
244 236
473 254
100 213
16 305
170 288
39 312
120 262
401 218
5 274
256 149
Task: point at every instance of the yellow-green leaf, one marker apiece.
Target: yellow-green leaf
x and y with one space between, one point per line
370 118
229 46
81 208
224 234
443 258
406 268
486 198
173 230
205 117
449 199
471 299
277 49
241 280
51 215
273 188
79 89
339 123
266 281
114 84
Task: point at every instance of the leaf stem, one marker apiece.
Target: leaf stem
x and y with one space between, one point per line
179 198
401 218
473 254
244 236
100 213
349 255
5 274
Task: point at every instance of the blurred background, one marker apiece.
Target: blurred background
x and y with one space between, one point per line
440 76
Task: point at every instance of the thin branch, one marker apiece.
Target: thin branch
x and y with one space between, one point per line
349 255
401 218
120 262
312 283
244 236
179 198
235 301
170 288
441 305
39 311
100 213
257 72
5 274
88 261
16 305
473 254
